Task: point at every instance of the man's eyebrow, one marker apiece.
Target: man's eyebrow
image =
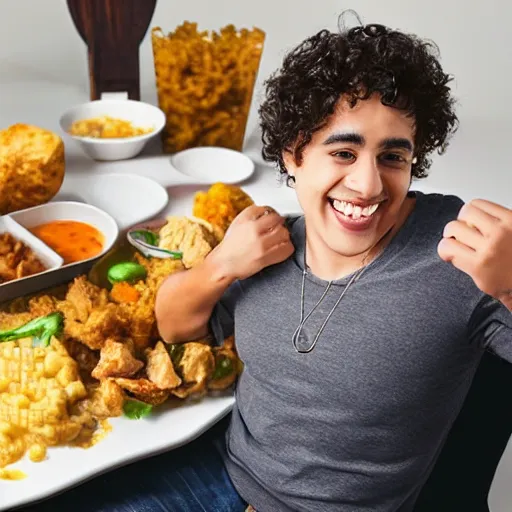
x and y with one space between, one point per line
349 137
397 143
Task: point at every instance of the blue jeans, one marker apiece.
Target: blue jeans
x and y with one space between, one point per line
192 478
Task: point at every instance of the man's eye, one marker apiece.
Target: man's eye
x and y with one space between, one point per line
393 157
344 155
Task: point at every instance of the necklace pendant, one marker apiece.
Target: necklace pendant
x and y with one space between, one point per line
301 340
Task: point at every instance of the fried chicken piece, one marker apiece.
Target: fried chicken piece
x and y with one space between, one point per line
98 326
105 400
220 204
144 390
42 305
116 360
195 366
83 297
160 369
13 320
190 237
139 318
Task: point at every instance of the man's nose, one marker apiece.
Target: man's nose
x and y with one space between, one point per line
364 178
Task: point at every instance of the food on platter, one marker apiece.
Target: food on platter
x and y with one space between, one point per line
17 260
106 127
205 82
32 167
74 356
72 240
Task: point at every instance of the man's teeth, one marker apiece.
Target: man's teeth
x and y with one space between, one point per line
353 210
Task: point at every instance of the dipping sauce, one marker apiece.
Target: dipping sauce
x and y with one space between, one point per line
73 240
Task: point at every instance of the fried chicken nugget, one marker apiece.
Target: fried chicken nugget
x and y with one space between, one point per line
195 366
144 390
190 237
160 369
116 360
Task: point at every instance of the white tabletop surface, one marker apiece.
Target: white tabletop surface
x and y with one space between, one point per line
32 99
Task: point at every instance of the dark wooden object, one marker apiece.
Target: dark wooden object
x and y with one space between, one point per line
113 31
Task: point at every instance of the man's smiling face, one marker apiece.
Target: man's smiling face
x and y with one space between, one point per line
354 176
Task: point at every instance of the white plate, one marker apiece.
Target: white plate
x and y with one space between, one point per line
128 198
128 441
213 164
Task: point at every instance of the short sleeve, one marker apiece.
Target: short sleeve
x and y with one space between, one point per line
222 321
491 327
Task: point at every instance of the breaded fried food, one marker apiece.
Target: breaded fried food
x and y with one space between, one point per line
32 166
144 390
83 297
17 260
195 367
160 369
116 360
190 237
101 324
220 204
138 318
105 400
89 317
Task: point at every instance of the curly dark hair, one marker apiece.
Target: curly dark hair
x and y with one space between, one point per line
357 63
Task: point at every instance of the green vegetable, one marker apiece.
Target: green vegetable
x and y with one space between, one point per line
223 368
176 351
126 271
145 235
41 329
136 410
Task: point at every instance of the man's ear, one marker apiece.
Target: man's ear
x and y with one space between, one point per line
289 162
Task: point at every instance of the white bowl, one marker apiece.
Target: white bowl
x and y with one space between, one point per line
115 105
59 272
211 164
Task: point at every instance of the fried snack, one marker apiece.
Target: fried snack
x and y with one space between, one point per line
205 83
106 127
195 366
220 204
38 387
17 260
32 167
160 369
192 237
116 360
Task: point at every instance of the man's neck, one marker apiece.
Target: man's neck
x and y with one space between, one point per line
329 265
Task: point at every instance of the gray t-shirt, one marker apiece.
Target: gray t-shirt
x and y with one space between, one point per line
356 424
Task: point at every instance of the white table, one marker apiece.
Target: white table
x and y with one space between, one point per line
32 100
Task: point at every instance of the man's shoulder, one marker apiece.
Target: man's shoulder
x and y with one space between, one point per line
435 210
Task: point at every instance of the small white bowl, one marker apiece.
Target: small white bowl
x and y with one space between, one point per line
115 105
211 164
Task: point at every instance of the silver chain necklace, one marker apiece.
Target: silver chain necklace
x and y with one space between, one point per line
299 335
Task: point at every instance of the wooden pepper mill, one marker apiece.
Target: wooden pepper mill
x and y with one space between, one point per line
113 31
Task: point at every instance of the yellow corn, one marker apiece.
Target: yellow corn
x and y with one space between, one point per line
37 386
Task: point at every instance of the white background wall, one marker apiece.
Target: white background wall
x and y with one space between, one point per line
39 45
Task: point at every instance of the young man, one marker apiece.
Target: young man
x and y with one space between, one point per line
360 323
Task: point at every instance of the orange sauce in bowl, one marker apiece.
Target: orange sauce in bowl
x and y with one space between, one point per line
72 240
